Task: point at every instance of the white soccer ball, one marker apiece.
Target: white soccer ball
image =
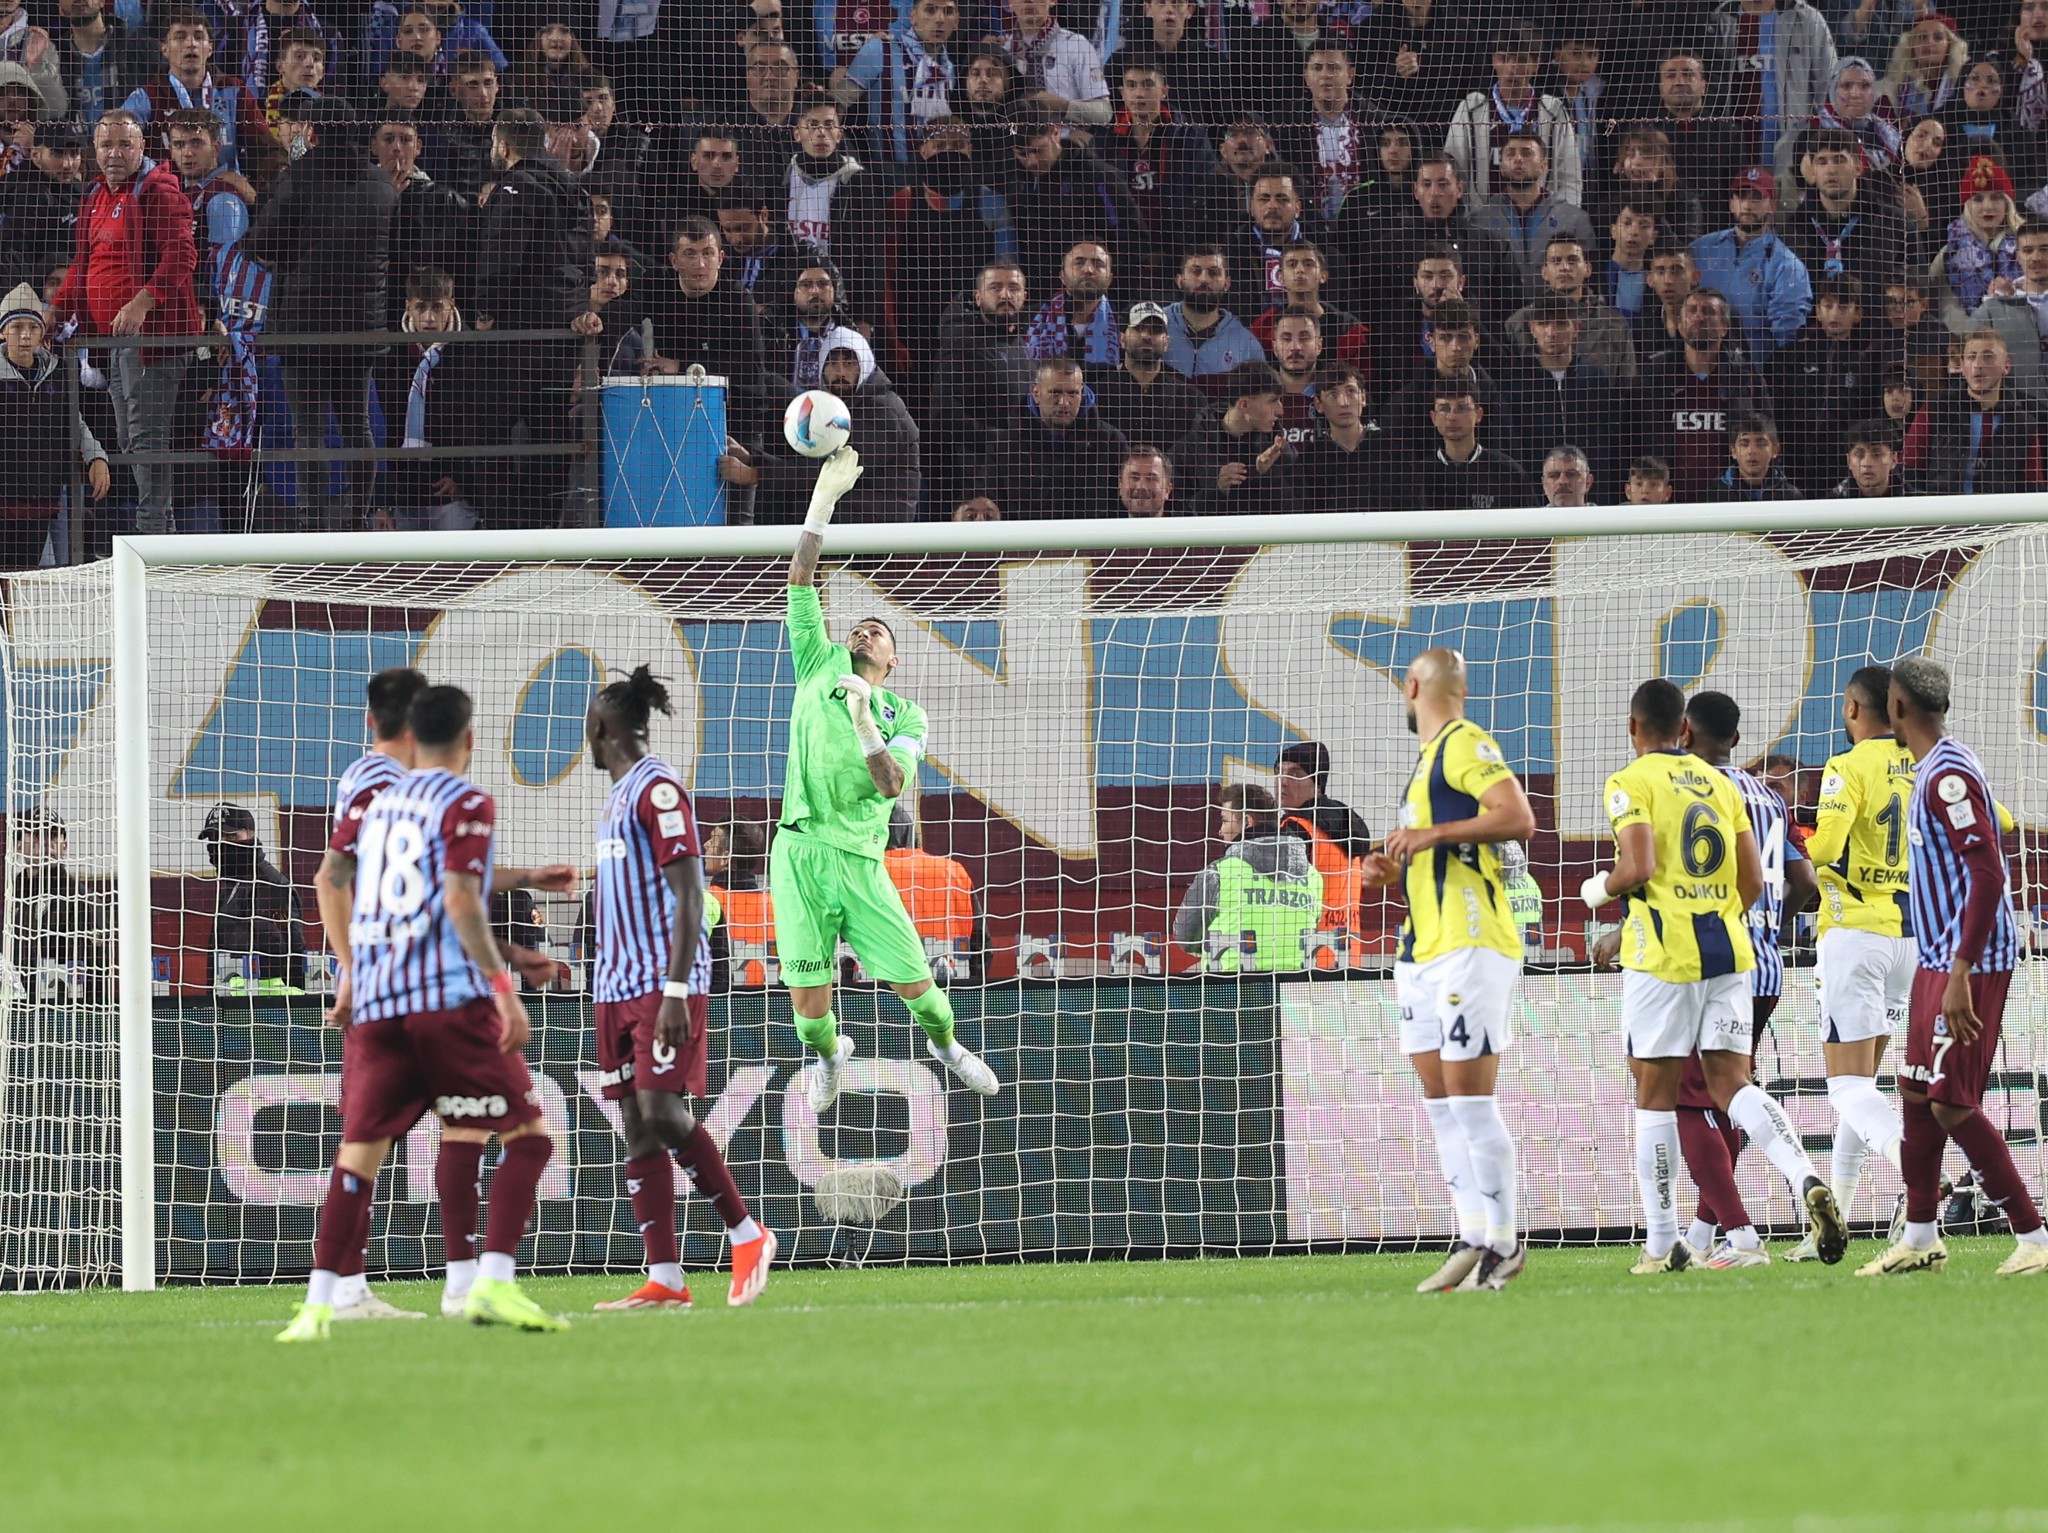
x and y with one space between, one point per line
816 424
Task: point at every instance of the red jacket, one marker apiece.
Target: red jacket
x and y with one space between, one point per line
135 236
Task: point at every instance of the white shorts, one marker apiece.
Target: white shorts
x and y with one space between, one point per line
1865 984
1662 1020
1460 1006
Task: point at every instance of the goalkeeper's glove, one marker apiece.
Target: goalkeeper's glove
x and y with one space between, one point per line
1594 891
859 707
838 474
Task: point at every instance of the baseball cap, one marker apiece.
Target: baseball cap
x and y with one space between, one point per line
12 73
63 137
225 820
1755 179
1141 312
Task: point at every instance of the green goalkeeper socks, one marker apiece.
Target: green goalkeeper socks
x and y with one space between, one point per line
934 1013
820 1034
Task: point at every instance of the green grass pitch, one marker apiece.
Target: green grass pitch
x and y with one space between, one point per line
1312 1393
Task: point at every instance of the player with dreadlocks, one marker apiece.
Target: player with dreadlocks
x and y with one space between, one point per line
650 982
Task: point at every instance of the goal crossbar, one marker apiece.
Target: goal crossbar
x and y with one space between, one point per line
1121 533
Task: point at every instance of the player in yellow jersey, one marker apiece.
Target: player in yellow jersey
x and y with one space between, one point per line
1686 864
1460 961
1866 955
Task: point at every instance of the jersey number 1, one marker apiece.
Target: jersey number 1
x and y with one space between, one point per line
1893 818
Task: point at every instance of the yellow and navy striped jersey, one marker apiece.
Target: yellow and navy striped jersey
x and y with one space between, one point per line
1858 845
1687 923
1457 896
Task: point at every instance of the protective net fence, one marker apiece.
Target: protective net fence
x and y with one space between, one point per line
1167 1086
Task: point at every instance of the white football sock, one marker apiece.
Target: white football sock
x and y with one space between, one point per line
1744 1238
668 1274
1877 1122
745 1232
498 1266
1920 1236
2034 1237
320 1287
1767 1126
952 1053
461 1277
1700 1235
1845 1164
1492 1151
1455 1158
1657 1177
350 1289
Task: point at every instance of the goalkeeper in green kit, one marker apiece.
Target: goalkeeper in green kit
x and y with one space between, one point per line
853 747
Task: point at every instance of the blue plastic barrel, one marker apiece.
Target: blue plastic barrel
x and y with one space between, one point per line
662 441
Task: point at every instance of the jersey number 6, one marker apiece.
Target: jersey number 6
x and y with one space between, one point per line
1703 846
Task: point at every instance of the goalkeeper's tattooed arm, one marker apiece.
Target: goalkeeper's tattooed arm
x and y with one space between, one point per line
836 475
884 770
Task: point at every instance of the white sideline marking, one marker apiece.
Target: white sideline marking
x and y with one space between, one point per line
2005 1520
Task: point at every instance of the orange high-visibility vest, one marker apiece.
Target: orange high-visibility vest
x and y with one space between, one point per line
936 891
749 915
1343 877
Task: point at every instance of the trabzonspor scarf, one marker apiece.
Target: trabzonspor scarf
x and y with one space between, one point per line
1102 342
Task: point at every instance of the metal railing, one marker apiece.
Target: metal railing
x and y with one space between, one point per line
588 447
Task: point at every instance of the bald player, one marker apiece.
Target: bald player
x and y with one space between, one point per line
1460 961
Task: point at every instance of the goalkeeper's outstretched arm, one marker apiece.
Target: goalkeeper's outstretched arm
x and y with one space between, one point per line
836 475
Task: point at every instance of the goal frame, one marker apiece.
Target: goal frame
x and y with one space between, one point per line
134 557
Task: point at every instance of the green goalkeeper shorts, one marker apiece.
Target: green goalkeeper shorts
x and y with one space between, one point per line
822 894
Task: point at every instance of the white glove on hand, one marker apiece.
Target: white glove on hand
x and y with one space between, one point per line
1594 891
838 474
860 708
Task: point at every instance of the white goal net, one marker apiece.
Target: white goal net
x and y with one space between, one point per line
1086 707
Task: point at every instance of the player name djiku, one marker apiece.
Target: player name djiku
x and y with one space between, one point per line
1700 891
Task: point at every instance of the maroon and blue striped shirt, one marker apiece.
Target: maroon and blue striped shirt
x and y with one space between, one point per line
361 781
1953 820
424 827
648 824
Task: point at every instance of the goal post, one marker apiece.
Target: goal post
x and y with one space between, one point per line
1158 657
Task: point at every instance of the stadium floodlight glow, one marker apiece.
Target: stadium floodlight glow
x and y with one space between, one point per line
1087 681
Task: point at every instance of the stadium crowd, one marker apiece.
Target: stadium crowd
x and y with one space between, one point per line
1062 257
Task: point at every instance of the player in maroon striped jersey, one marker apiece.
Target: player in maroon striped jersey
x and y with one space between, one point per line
422 956
1969 942
650 983
458 1161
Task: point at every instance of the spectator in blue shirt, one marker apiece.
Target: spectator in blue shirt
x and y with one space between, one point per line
1205 342
1764 282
